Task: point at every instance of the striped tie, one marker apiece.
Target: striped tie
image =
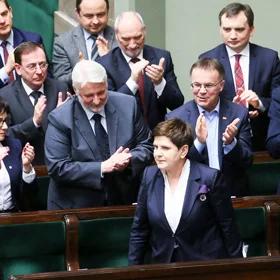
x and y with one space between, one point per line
94 49
239 80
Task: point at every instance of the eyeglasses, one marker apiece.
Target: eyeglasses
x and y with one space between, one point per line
2 121
33 66
209 86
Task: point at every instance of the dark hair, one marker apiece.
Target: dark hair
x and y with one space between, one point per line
6 3
209 64
25 48
179 132
78 3
234 9
4 107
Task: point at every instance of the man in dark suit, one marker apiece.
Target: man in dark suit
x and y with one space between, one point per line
260 67
93 37
141 70
10 38
32 97
96 144
223 139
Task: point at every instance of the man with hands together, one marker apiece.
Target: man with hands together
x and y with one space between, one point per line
97 144
140 70
222 130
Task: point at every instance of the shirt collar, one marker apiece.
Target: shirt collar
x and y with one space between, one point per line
89 112
216 109
29 90
244 52
10 39
87 35
128 58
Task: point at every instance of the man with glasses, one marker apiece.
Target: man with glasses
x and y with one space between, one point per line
93 37
252 71
32 97
222 129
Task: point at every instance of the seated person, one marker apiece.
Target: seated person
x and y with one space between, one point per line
16 171
184 212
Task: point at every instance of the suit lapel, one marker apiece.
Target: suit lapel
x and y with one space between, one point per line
112 125
82 124
252 66
80 41
18 38
121 66
159 195
190 195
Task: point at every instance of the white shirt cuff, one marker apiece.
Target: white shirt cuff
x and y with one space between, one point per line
160 87
229 147
29 177
132 85
199 146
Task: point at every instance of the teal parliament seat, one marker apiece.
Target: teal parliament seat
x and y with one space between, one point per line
104 242
32 247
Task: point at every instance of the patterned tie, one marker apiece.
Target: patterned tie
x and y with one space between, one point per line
141 87
101 137
94 49
35 94
6 55
239 81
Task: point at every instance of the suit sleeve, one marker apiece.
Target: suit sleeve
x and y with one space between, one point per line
63 165
140 230
171 96
222 205
273 134
241 154
62 68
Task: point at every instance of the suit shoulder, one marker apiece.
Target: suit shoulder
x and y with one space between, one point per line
29 36
261 49
7 92
208 174
58 83
120 97
180 111
213 52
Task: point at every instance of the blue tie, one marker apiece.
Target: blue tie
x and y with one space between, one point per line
101 137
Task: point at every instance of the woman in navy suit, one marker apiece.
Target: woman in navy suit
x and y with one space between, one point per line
16 171
184 210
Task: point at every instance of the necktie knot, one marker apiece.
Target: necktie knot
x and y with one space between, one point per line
35 94
97 117
237 57
4 44
134 59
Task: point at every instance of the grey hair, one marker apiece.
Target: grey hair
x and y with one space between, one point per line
123 14
87 71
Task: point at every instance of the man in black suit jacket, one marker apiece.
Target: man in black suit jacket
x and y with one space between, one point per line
260 67
12 38
32 97
223 139
154 65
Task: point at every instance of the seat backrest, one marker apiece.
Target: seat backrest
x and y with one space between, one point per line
252 227
264 178
32 247
104 242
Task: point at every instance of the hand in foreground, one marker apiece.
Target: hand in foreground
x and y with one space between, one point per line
201 129
39 110
230 132
102 45
27 157
137 68
155 72
60 100
117 162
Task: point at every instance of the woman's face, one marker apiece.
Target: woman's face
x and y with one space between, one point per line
3 126
167 156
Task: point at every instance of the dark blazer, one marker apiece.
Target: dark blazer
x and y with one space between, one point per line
273 135
66 50
13 165
74 160
206 229
21 122
264 76
234 164
21 36
118 72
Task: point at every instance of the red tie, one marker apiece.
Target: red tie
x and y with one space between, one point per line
6 55
239 81
141 88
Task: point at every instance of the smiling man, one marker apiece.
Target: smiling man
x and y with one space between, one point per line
252 71
93 37
97 144
222 131
32 97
